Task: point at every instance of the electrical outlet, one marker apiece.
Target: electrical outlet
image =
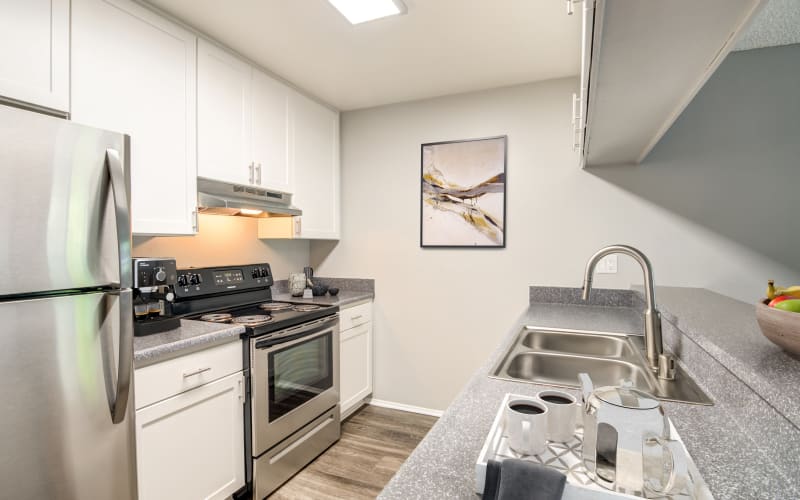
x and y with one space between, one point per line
607 265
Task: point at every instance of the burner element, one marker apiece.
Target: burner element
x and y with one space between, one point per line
253 320
275 306
306 307
217 318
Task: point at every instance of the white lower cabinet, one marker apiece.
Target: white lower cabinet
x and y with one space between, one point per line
355 357
191 445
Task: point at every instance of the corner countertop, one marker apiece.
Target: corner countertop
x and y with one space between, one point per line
190 337
724 441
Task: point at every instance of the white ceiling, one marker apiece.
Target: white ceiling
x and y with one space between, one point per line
439 47
778 23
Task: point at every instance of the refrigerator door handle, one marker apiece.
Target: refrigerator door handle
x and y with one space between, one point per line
119 405
116 175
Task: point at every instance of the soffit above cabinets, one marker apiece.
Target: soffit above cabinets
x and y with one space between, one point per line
643 64
438 47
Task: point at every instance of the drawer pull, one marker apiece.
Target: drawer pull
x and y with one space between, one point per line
353 318
197 372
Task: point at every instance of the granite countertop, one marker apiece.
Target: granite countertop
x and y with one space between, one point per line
351 291
190 337
742 448
727 329
343 299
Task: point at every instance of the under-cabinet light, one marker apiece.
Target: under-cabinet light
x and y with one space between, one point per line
361 11
250 211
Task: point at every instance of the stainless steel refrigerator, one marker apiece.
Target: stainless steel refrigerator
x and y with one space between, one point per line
66 343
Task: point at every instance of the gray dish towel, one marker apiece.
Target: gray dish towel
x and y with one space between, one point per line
514 479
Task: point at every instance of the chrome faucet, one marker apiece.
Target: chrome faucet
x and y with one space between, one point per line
663 365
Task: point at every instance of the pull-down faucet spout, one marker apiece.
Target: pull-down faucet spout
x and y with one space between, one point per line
661 364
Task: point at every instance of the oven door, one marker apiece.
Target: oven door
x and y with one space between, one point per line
294 379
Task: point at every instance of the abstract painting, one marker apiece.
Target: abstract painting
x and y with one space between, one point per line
464 193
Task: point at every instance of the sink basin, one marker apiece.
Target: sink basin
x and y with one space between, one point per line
578 343
550 356
563 369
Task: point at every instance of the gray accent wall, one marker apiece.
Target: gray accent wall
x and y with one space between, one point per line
714 206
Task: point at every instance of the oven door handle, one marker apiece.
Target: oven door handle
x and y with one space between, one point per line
304 331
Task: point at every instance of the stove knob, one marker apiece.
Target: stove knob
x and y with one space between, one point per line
194 279
182 280
264 273
199 278
160 274
255 274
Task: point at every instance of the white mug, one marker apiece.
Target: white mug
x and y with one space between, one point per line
561 415
526 424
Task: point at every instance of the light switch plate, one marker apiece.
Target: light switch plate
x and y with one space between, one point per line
607 265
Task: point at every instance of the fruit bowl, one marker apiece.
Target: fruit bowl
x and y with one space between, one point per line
782 328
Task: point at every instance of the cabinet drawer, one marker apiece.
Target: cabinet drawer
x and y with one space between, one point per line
162 380
354 316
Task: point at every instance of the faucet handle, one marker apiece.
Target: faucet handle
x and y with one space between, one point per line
666 366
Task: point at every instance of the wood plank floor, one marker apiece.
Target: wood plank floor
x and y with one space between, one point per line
375 442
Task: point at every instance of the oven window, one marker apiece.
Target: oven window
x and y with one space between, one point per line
298 373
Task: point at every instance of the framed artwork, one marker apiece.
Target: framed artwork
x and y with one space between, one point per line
463 196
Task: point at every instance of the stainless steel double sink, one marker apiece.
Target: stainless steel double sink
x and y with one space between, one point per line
552 356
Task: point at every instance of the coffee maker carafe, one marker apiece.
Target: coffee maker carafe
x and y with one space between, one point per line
154 281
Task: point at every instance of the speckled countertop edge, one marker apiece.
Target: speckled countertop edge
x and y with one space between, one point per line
743 448
190 337
343 299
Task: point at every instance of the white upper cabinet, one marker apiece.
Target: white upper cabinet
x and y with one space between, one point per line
34 52
314 157
242 122
642 63
224 116
135 72
271 133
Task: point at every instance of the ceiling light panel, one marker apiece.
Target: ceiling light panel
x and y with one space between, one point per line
361 11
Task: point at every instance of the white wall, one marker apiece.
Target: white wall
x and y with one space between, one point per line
438 313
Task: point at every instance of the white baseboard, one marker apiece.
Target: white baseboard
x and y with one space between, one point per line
403 407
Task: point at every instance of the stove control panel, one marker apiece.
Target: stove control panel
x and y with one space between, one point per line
200 281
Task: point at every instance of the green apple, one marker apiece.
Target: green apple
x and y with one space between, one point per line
792 305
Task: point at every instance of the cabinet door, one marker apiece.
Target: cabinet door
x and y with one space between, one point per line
34 52
355 366
134 72
315 163
224 115
192 445
271 133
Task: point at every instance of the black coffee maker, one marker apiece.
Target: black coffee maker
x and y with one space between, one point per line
154 281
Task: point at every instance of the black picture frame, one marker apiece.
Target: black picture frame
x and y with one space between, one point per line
439 192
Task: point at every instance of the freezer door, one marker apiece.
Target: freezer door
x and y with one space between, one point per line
64 192
62 382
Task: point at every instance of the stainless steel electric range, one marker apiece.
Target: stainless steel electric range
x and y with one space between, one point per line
291 360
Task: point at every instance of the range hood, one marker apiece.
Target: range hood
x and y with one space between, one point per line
224 198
